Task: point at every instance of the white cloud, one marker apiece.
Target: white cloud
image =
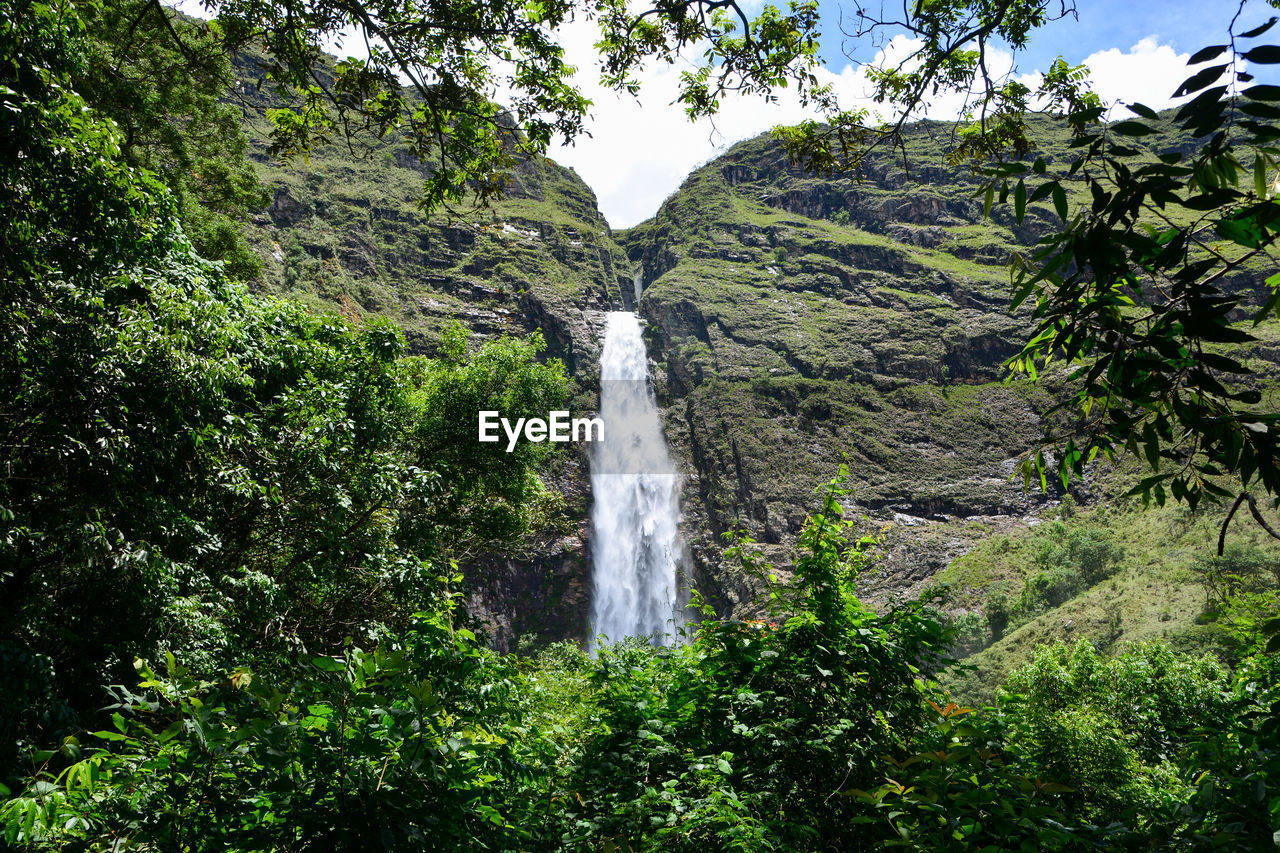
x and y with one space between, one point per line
1148 73
640 151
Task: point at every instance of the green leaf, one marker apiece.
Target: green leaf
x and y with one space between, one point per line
1020 201
1200 80
106 735
1060 201
1263 92
1263 54
1131 128
1204 54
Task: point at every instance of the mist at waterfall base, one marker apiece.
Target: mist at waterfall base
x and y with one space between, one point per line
635 513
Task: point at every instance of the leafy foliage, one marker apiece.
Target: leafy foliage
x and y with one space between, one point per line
186 464
267 499
945 52
1111 731
751 737
408 746
1134 287
457 56
491 492
164 79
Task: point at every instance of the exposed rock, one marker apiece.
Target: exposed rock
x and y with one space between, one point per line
285 209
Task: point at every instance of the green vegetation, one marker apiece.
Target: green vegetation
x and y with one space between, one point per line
816 729
431 73
347 235
1133 294
231 528
790 340
161 78
1114 574
193 468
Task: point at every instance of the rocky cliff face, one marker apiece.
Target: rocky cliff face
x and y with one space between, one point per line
794 323
346 234
800 321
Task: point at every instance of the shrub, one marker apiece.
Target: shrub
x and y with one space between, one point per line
1112 730
1050 588
998 611
1094 554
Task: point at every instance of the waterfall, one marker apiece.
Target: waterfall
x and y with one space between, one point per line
636 510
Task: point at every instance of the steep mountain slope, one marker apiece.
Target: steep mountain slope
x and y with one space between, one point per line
794 322
803 320
800 321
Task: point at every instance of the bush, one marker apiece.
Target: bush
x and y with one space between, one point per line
407 747
1240 568
755 735
1112 730
1094 554
998 611
970 630
1049 588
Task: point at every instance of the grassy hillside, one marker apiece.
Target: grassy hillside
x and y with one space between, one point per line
1115 573
801 320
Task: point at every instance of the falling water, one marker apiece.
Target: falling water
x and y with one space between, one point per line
636 512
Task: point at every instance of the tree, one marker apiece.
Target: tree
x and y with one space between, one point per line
165 80
1162 251
183 463
1143 287
491 492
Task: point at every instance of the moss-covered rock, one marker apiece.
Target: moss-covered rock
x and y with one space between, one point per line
802 321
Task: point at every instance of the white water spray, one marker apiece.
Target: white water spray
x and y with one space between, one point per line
636 512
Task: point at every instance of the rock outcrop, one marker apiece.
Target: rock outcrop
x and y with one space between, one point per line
801 321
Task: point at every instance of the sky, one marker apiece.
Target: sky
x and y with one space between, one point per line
637 151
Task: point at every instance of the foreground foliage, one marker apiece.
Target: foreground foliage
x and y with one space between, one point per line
816 732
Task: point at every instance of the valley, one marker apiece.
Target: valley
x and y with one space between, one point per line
361 488
793 322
